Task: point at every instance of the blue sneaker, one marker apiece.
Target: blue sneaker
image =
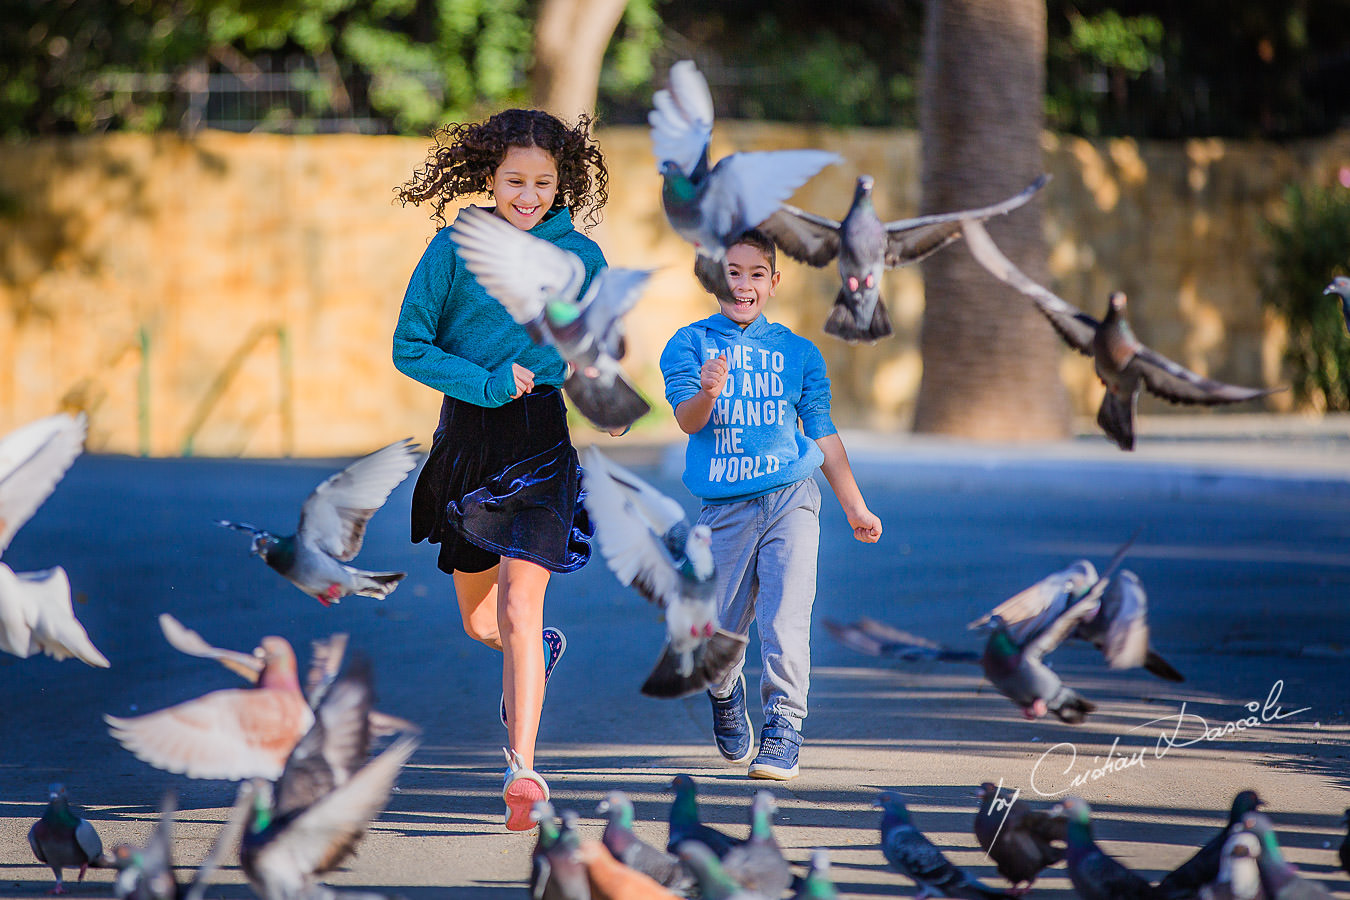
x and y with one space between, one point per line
731 724
555 645
778 746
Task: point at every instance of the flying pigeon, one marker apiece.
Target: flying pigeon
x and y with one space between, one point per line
632 851
714 883
1018 670
1185 880
1118 628
865 247
332 527
711 208
540 286
1340 285
1019 839
1345 844
610 879
1123 364
63 839
758 863
1239 876
1279 879
649 545
817 884
685 824
35 611
879 639
283 851
147 873
231 734
325 661
914 856
1095 875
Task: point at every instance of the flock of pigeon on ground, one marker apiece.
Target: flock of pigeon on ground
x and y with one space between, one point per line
309 785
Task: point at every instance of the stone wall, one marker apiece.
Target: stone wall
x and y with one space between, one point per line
234 294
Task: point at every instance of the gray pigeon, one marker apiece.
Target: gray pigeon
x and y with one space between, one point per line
1124 365
711 208
1095 875
333 526
686 826
817 884
629 849
1340 285
879 639
1344 852
1239 876
540 286
1186 880
557 870
648 543
714 883
1118 628
284 851
35 611
758 863
146 873
1018 670
63 839
865 247
911 854
1019 839
1279 879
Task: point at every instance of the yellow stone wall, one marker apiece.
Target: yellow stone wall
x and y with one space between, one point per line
235 294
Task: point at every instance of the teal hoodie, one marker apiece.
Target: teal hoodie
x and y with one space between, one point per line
454 337
751 444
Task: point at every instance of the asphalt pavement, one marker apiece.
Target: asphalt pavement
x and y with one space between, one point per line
1243 547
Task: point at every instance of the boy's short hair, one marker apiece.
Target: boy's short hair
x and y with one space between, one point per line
761 242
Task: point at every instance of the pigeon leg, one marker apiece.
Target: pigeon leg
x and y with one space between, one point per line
60 888
84 867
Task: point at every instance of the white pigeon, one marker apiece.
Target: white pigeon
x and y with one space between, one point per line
539 284
651 547
35 610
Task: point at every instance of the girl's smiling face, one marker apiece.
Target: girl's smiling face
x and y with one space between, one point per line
524 186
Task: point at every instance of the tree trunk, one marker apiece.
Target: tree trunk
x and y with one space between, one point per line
570 38
990 361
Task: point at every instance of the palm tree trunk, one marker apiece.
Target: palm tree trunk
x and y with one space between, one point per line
570 39
990 362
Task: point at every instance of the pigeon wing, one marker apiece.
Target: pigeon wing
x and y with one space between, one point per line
1076 327
326 833
41 602
1053 633
744 189
1033 609
804 236
1173 381
613 294
32 460
630 518
185 640
334 517
910 240
1124 615
522 271
325 661
682 120
334 747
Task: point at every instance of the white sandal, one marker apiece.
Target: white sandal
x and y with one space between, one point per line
522 789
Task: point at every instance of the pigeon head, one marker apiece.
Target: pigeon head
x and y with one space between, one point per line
55 789
1339 285
1077 810
864 188
1346 819
892 806
675 181
1260 825
986 791
1116 302
561 314
1242 844
699 551
617 807
1243 803
262 543
279 666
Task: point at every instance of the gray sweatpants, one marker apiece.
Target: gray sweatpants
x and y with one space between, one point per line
765 550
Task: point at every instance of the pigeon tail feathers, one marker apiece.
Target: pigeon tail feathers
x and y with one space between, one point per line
377 584
843 324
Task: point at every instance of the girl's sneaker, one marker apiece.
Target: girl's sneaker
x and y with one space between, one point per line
555 645
522 788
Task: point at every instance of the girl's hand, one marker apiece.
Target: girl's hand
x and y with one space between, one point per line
524 380
714 374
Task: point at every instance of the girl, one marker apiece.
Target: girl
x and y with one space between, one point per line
499 491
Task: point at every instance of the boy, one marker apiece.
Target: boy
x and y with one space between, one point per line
739 385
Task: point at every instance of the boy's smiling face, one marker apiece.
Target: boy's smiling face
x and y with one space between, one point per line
752 281
524 186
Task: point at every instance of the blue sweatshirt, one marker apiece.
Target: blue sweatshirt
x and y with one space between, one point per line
751 444
453 336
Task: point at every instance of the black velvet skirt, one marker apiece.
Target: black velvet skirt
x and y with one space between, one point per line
503 481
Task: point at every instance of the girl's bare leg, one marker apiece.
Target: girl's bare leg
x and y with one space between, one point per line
520 625
476 593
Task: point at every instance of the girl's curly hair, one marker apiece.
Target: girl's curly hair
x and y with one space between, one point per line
467 155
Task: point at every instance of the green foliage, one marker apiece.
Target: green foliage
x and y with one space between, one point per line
1309 248
1091 68
1117 42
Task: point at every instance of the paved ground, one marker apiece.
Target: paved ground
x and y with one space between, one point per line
1243 549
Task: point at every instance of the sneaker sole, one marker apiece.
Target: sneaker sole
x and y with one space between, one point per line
548 670
520 796
773 773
